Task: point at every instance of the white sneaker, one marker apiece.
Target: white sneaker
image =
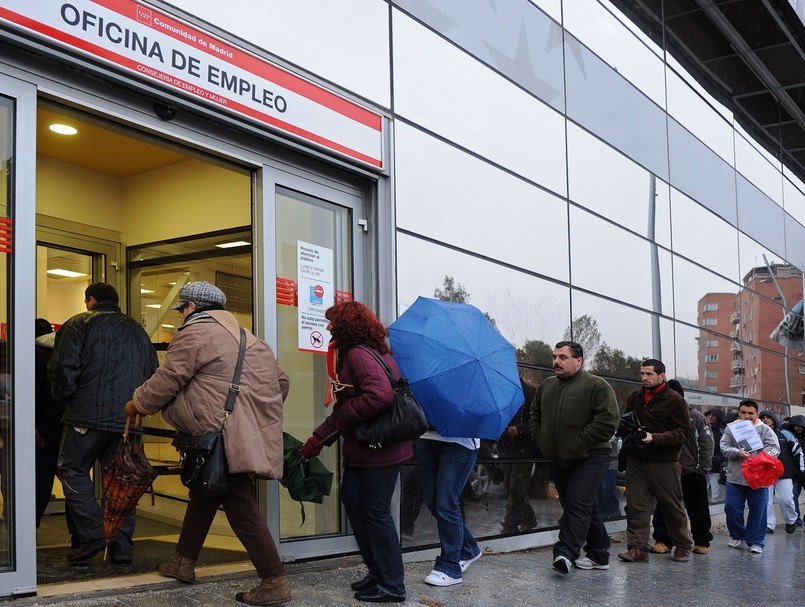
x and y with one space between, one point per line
437 578
755 549
588 563
466 564
734 543
562 564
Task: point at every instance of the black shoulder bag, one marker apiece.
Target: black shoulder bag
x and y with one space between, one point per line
404 421
203 458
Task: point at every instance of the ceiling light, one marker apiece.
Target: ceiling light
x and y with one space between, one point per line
65 273
146 291
63 129
230 245
168 327
157 306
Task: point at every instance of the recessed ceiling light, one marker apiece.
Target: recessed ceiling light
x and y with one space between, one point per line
168 327
230 245
157 306
146 291
63 129
65 273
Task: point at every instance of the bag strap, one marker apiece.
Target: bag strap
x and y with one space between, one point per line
394 381
234 387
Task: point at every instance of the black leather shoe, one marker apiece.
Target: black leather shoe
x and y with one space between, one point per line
120 559
84 552
366 583
378 596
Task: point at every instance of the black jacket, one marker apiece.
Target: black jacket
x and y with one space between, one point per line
100 357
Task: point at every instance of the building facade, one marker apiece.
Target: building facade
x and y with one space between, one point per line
574 168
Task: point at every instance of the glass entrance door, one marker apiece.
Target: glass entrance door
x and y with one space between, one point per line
318 259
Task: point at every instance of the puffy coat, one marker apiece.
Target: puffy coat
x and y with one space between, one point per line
99 358
373 396
192 386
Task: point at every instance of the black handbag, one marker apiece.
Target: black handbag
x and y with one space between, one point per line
404 421
203 458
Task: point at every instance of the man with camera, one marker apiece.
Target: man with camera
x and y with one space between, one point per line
654 472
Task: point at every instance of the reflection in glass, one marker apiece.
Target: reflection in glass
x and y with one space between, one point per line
462 200
691 284
523 307
703 236
760 217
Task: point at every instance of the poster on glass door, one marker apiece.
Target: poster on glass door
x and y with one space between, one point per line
315 283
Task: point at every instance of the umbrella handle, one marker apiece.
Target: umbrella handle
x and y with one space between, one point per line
137 420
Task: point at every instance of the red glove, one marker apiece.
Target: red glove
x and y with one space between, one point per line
311 448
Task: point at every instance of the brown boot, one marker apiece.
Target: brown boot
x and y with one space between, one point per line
681 555
634 555
180 568
271 591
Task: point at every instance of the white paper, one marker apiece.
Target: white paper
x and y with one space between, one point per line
745 435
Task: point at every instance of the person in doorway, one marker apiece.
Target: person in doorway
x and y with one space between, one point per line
715 417
655 472
363 392
573 417
49 411
782 491
191 389
515 442
739 493
100 356
694 459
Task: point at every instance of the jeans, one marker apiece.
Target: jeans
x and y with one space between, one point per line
77 456
580 524
443 471
366 494
737 497
783 492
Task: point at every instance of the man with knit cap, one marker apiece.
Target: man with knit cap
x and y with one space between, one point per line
191 389
654 472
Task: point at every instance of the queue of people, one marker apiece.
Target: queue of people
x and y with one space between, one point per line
102 358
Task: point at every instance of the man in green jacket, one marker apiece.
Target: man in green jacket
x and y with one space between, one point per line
573 416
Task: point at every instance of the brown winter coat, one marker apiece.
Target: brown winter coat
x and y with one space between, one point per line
192 385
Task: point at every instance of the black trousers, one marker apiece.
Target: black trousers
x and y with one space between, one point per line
694 494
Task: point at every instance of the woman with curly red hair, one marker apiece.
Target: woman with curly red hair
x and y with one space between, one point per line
362 392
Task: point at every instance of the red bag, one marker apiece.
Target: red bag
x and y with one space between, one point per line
761 470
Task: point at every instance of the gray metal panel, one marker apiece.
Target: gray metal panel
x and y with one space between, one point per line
759 216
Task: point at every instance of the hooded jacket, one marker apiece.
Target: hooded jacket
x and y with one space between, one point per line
191 389
798 420
99 358
730 449
790 451
697 452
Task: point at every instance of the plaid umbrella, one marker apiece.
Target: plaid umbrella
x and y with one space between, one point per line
125 479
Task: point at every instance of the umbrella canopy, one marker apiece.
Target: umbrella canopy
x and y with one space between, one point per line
125 479
305 480
459 367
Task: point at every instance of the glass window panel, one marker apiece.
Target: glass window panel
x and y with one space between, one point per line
599 174
794 237
702 236
523 307
698 117
693 287
607 37
626 268
552 8
760 217
466 102
512 37
623 116
752 256
444 200
759 169
701 173
625 335
794 200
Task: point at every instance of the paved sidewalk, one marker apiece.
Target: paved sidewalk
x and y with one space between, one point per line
725 577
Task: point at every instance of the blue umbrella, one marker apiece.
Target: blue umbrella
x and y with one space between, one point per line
461 370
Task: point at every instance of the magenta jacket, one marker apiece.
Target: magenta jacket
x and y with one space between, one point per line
373 397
